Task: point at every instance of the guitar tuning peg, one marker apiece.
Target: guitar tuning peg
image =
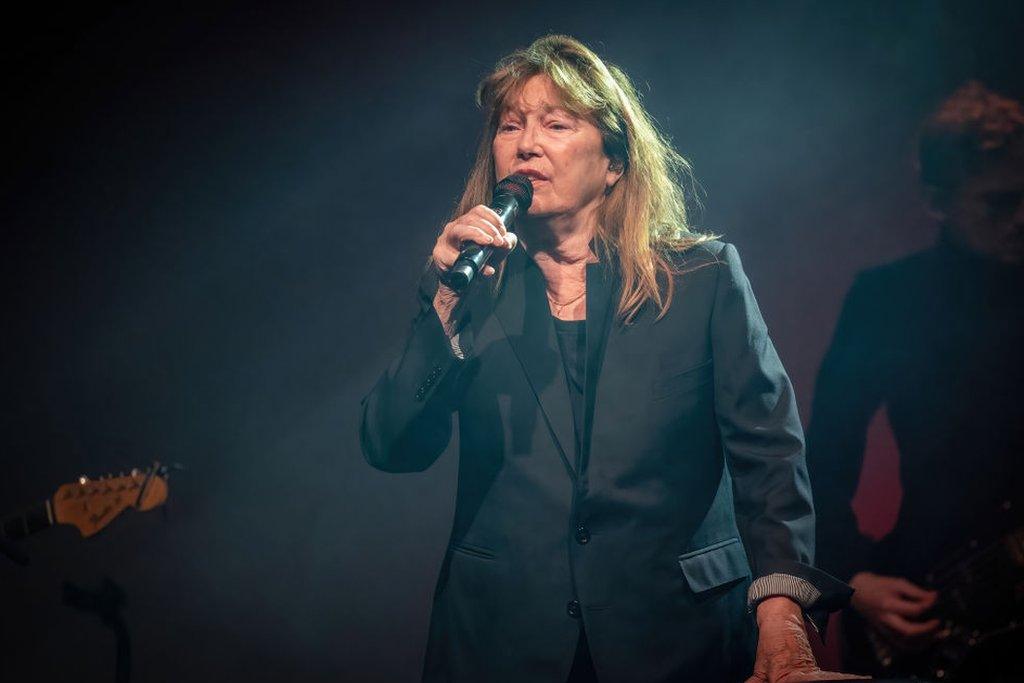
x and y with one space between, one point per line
83 480
135 471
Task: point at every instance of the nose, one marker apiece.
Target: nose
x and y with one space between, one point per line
527 146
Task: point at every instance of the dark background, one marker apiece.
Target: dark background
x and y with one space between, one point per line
196 203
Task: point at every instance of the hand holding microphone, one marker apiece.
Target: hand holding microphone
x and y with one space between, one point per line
467 243
481 226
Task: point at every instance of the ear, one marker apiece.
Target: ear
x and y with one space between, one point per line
616 167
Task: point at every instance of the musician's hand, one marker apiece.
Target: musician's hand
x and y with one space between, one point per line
784 654
480 225
894 606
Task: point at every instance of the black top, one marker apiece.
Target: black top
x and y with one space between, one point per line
572 340
936 339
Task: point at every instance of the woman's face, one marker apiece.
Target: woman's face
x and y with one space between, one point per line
563 154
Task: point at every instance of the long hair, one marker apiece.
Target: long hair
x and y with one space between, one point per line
644 216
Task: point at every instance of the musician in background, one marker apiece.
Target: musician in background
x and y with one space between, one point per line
937 340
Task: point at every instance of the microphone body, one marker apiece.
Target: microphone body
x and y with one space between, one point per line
512 197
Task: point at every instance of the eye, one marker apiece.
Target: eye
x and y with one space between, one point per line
558 125
507 126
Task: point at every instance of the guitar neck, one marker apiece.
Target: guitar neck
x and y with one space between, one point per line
35 519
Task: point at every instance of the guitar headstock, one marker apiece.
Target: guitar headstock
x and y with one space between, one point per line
91 504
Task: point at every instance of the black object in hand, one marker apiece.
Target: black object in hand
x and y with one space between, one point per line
512 197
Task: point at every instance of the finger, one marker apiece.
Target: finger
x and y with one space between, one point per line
910 629
471 233
482 224
488 271
913 591
484 217
503 249
760 672
440 257
489 224
802 677
445 255
490 215
907 608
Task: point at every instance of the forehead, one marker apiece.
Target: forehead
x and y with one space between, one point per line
537 95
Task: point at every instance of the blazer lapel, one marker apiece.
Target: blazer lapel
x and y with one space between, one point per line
603 284
524 314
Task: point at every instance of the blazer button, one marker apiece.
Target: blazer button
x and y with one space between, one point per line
573 609
582 534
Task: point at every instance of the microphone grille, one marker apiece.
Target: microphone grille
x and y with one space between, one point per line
518 186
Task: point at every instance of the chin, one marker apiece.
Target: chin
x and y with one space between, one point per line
543 207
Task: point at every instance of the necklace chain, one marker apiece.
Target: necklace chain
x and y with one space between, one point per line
561 305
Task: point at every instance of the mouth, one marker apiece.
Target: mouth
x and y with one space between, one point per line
532 174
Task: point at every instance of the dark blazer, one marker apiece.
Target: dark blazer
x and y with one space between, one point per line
690 483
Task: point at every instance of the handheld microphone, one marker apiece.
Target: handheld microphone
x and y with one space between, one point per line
512 197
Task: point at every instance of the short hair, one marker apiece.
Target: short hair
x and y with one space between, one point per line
969 130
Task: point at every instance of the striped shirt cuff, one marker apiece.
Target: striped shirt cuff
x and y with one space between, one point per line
799 590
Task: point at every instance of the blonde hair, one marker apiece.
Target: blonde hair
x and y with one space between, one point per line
644 216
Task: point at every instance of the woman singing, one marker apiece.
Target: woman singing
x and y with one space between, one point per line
632 503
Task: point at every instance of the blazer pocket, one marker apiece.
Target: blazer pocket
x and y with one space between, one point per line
714 565
472 550
678 382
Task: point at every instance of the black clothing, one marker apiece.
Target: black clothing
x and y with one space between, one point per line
582 665
690 480
936 338
572 342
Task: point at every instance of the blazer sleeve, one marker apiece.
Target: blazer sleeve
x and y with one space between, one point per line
407 416
763 442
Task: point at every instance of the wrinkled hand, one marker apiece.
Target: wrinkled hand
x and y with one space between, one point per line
480 225
893 605
784 654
